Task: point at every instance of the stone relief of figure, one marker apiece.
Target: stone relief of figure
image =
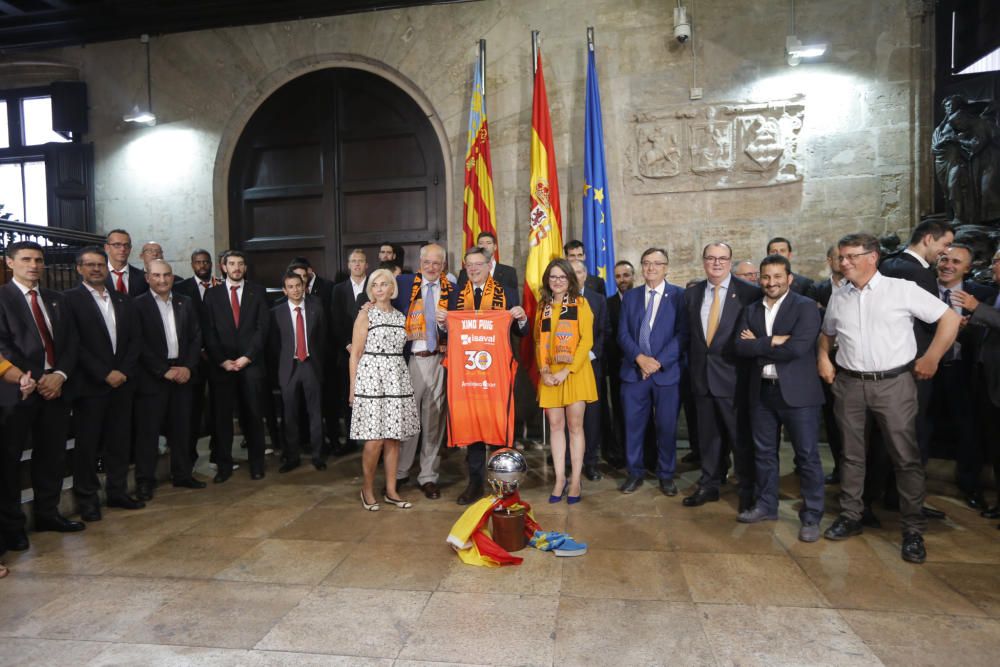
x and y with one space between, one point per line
711 145
659 155
966 153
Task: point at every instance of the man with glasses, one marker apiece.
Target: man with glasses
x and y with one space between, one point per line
719 377
122 276
652 333
746 270
877 365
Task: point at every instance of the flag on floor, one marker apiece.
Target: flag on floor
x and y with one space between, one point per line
479 214
598 239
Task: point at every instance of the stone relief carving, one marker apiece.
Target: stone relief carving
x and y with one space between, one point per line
715 147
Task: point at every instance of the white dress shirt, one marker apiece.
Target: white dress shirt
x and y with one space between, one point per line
103 301
291 309
239 290
770 313
45 314
874 325
706 302
923 262
357 287
124 271
658 291
166 308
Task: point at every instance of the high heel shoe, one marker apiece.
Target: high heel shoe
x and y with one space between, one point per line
371 507
556 499
573 500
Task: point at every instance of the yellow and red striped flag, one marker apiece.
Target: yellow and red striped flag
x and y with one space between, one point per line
480 214
545 235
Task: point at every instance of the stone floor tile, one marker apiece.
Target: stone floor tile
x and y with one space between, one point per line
222 614
87 553
629 632
23 652
870 544
773 636
287 562
156 655
722 535
154 520
288 495
539 574
628 575
330 525
348 621
615 532
397 526
959 545
915 640
23 592
251 521
387 566
188 556
749 579
457 626
979 583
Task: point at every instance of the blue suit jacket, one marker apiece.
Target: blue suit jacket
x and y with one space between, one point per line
668 339
795 359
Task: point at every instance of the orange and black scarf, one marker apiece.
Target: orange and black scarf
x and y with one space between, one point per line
560 348
493 297
415 328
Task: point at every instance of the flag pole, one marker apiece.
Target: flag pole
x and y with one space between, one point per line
590 38
482 70
534 52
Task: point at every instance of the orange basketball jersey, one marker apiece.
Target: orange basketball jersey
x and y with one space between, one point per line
481 370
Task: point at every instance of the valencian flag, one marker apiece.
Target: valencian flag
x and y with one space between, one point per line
480 213
598 240
545 235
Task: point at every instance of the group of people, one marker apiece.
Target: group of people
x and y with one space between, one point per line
132 354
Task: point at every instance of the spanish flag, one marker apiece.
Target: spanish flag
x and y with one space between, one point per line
480 210
545 234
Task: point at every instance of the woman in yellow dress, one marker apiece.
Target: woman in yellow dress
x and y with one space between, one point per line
564 335
11 373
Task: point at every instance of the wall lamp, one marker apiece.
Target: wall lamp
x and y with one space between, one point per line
140 115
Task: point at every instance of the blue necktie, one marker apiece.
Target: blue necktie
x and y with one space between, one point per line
644 328
430 321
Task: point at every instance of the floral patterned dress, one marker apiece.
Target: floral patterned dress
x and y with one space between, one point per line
383 396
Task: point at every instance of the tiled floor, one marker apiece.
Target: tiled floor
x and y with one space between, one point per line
291 571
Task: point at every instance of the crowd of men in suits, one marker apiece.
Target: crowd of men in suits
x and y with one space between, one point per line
132 354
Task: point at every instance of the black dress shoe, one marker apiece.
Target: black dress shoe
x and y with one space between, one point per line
144 491
692 458
913 550
189 483
700 497
991 513
668 487
631 484
16 541
472 493
221 476
90 513
56 523
258 475
592 473
869 520
125 502
287 466
319 465
833 477
975 501
931 513
843 528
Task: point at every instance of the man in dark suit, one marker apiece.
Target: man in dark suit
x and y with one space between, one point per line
952 400
987 373
315 285
235 332
171 357
103 386
194 288
779 334
36 335
575 251
298 327
502 273
652 333
929 239
592 417
824 289
718 377
800 284
614 440
346 299
122 276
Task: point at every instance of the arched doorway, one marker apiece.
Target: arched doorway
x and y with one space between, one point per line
333 160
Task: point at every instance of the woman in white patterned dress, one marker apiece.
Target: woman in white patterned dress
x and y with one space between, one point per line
384 411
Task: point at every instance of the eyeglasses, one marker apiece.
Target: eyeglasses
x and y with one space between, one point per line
749 275
853 257
120 246
715 260
553 279
649 264
92 265
475 265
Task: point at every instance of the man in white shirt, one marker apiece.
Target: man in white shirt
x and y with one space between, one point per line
871 319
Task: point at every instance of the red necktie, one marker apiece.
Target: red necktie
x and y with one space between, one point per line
43 329
236 305
119 282
300 335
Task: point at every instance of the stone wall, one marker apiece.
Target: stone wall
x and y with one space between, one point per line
849 130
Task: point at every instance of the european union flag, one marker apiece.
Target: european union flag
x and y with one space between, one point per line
598 239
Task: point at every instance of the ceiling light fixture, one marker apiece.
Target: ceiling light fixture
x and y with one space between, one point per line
140 115
795 50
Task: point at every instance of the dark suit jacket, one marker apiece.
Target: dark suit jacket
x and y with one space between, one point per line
989 349
323 290
223 340
822 292
602 325
907 267
667 339
795 359
343 311
21 344
153 359
503 274
596 284
612 350
803 285
283 337
136 281
715 370
96 358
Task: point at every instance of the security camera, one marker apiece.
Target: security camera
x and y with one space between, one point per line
682 26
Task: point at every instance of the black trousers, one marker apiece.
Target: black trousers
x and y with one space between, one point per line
615 447
304 389
46 423
722 419
988 419
475 459
202 421
243 390
167 410
832 428
102 424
